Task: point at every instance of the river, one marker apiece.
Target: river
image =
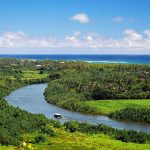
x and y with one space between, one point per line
31 99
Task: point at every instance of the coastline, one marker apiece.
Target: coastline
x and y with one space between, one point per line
90 58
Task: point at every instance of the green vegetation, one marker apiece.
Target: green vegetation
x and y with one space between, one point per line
7 147
109 106
123 135
28 75
75 141
82 141
100 89
15 122
132 114
72 85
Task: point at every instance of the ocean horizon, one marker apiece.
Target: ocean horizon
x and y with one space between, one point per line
91 58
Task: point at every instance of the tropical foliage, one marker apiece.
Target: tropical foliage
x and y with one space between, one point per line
133 114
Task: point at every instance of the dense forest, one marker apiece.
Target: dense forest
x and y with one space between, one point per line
70 85
106 81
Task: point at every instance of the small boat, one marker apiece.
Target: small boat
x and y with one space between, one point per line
58 116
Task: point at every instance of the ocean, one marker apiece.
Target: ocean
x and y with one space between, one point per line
102 59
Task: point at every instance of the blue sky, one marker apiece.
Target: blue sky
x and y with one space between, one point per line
75 26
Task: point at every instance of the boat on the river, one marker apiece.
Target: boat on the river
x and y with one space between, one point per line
58 116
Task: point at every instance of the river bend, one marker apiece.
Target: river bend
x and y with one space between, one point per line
31 99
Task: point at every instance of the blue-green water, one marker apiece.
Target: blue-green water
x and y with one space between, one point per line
119 59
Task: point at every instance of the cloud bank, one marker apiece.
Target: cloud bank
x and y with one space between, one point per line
131 40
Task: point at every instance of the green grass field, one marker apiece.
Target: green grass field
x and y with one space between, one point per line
80 141
108 106
33 75
29 75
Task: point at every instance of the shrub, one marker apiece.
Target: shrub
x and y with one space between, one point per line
40 139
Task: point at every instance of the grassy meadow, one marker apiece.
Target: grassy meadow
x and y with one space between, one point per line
106 107
33 75
29 75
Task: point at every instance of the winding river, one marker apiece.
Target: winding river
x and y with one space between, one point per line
30 98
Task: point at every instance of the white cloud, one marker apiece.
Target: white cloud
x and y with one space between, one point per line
147 32
131 40
133 35
81 17
89 38
118 19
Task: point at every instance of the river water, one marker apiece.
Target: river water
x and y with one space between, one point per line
30 98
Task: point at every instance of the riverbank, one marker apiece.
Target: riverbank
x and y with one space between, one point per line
127 110
102 89
32 102
108 108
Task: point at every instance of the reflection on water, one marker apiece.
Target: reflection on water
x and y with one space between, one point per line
31 99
